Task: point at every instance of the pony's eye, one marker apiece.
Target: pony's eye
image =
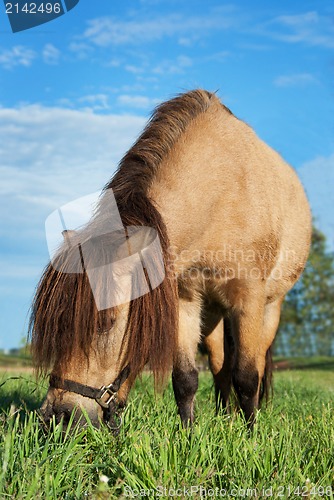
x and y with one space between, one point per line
101 331
105 323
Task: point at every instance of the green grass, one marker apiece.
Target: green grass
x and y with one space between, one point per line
292 446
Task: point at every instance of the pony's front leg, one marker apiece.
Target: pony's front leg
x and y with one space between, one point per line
255 328
185 373
249 363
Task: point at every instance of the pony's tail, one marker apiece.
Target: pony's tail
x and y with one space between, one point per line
266 389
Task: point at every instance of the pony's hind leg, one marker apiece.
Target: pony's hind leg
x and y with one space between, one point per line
185 373
217 341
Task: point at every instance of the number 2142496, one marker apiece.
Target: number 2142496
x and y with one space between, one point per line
33 8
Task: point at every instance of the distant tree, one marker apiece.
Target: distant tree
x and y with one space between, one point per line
307 321
24 349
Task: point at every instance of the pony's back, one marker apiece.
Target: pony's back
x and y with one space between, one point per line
223 191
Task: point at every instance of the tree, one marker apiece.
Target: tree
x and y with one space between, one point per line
307 318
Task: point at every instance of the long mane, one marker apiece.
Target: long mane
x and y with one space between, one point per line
64 317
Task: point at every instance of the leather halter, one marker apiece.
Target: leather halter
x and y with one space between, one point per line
88 391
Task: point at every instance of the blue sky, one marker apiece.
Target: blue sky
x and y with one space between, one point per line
75 93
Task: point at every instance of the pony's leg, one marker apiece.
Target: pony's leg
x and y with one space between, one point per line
255 328
217 343
272 314
185 373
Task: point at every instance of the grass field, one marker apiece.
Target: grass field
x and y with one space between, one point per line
289 454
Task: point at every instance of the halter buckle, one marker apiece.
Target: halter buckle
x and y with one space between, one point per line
106 389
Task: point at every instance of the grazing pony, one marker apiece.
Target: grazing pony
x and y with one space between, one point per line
234 228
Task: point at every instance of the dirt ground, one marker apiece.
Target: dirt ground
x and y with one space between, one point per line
16 369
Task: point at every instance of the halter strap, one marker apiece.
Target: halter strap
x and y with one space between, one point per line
92 392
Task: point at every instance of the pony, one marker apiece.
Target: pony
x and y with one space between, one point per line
234 228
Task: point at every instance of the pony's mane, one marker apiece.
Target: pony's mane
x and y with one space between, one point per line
168 122
64 317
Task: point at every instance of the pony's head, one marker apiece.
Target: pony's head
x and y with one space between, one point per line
95 377
102 311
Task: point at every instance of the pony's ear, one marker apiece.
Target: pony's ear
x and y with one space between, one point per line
68 233
144 241
139 238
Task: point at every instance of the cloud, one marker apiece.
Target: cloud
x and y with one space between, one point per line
106 31
177 66
258 47
81 49
187 41
308 28
136 70
221 56
137 101
50 156
86 103
17 56
295 80
317 176
299 20
96 102
126 97
50 54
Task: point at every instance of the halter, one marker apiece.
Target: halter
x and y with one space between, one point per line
108 405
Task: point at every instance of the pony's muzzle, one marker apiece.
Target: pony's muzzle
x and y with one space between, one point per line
68 409
61 416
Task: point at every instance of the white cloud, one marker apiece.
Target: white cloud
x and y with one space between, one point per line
299 19
295 80
50 156
221 56
95 102
318 178
186 41
136 70
137 101
50 54
17 56
309 28
100 102
81 49
259 47
105 31
86 103
114 63
173 67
